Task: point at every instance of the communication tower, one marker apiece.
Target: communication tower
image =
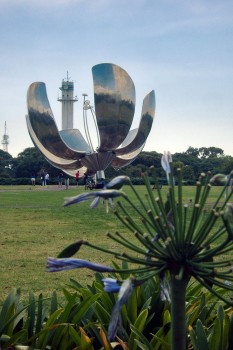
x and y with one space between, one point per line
67 99
5 140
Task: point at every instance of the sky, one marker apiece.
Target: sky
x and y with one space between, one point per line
183 49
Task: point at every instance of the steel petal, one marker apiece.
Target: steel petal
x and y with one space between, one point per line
46 153
45 132
147 116
74 140
114 104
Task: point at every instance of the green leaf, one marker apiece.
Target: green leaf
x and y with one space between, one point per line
139 324
221 320
201 336
214 337
144 343
16 338
160 338
230 339
61 339
166 317
39 320
132 306
75 284
226 331
7 305
49 325
54 304
74 335
193 338
84 307
102 314
31 314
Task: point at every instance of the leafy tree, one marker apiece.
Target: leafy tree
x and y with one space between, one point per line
188 173
228 165
193 161
213 152
189 159
32 161
192 151
6 165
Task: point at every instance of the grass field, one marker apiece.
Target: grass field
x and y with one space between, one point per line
35 225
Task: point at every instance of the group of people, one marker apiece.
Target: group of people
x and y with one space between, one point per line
89 182
44 178
60 181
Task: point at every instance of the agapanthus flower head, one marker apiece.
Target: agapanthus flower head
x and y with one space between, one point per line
171 239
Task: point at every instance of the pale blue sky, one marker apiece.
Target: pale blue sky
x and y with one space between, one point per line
182 49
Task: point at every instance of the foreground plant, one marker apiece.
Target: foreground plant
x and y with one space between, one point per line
176 242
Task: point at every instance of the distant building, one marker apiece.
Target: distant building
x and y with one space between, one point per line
67 99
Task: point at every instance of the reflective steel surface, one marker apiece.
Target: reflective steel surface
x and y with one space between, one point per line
48 155
148 112
68 150
70 169
98 161
114 104
126 159
43 123
75 140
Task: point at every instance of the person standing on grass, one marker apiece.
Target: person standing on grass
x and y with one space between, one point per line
85 180
60 177
33 178
77 178
47 179
43 178
67 183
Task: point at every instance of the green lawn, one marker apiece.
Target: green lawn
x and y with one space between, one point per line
35 225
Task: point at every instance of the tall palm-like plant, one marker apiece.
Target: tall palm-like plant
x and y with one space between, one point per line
177 242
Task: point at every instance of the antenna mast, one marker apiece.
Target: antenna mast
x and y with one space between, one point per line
5 140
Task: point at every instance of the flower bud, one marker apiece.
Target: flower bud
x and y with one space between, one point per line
218 179
118 182
228 219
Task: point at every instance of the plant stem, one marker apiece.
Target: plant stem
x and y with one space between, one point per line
178 319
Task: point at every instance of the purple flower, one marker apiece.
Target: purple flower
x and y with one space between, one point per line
124 293
55 265
97 195
111 285
165 290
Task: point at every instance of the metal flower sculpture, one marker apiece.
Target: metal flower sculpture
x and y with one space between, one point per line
114 97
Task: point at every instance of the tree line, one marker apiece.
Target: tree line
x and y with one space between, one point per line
193 161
